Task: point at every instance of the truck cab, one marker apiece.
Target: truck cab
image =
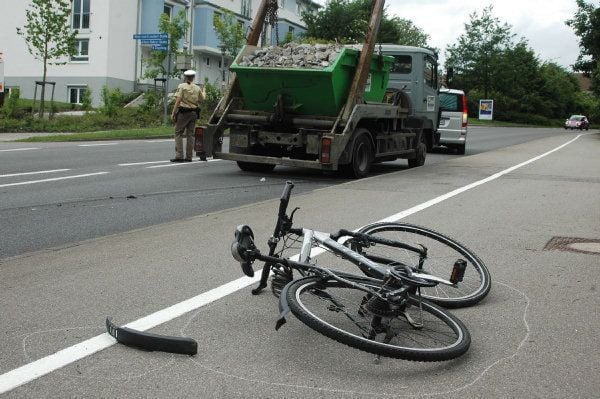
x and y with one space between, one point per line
415 73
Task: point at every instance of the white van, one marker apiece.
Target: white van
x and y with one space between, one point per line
453 120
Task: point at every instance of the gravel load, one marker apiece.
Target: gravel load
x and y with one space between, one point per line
293 55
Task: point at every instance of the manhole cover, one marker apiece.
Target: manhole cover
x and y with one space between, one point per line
589 246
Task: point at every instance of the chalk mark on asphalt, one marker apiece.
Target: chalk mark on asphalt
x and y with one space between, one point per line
378 394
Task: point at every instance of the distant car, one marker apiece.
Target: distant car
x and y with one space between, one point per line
453 119
577 122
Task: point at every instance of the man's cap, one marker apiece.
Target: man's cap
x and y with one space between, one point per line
189 72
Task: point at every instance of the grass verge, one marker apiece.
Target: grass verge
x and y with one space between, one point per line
119 134
495 123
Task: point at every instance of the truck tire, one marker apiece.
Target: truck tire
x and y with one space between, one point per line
362 156
419 159
428 140
255 167
460 149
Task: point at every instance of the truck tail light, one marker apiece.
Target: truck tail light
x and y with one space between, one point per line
465 114
326 150
199 139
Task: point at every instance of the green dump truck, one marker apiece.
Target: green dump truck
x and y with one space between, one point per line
342 116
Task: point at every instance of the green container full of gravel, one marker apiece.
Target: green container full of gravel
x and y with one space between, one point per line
312 80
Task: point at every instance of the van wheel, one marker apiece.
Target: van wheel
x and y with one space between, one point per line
460 149
362 156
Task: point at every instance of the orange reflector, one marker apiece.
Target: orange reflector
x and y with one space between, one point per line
199 139
326 150
465 112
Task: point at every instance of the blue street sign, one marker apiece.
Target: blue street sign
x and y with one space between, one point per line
155 41
142 36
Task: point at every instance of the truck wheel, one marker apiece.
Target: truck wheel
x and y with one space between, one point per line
362 156
255 167
460 149
428 140
421 150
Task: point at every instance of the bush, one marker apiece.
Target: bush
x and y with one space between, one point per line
151 101
213 96
125 119
86 99
11 106
112 100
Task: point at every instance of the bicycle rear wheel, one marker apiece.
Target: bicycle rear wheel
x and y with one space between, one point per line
442 253
418 331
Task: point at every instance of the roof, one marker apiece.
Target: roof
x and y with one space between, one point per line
452 91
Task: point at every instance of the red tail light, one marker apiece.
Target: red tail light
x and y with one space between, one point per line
465 115
326 150
199 139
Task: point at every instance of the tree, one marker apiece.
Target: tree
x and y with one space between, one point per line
346 21
586 24
48 35
406 33
176 30
230 33
478 49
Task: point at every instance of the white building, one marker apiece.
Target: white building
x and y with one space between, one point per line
108 54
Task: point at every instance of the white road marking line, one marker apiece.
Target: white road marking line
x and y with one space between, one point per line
53 179
159 141
181 164
21 149
141 163
45 365
35 173
95 145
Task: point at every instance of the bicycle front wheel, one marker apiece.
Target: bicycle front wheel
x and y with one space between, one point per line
442 253
417 330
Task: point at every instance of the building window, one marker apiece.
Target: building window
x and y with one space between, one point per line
298 8
282 3
168 10
207 61
81 14
82 47
76 94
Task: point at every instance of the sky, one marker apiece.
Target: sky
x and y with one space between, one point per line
541 22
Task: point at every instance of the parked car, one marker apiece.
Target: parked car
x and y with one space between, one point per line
453 119
577 122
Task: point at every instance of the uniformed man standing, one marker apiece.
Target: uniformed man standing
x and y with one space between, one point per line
186 111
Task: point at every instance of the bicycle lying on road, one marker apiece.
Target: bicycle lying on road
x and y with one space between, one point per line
391 309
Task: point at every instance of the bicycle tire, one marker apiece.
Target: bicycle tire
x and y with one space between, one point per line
305 299
442 253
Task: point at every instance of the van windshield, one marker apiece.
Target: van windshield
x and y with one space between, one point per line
451 102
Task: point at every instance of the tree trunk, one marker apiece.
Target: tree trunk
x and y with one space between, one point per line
44 80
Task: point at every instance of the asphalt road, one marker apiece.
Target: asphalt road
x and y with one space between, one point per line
535 335
94 189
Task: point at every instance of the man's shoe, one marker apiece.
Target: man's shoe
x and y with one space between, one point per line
177 160
187 160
